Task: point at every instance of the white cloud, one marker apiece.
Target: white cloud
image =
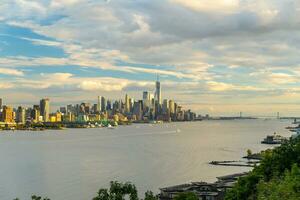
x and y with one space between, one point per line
13 72
209 6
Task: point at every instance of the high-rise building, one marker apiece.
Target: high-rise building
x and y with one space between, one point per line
137 110
158 91
35 113
0 103
103 104
45 109
98 109
7 114
20 117
171 106
146 99
70 108
127 104
63 110
165 106
108 105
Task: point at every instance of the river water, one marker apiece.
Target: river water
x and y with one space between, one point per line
73 164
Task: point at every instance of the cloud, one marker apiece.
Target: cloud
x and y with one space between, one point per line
209 6
13 72
209 49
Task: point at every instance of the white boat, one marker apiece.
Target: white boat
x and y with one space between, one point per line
110 126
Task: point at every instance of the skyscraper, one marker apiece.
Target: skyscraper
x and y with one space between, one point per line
103 104
0 103
98 109
137 110
127 104
158 91
172 106
165 106
146 99
45 109
20 118
7 114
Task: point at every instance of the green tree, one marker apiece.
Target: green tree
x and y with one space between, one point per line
274 164
249 152
150 196
287 186
117 191
186 196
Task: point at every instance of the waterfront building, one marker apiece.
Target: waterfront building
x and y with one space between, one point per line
63 110
108 105
35 113
98 108
52 118
103 104
58 116
137 110
69 117
45 109
146 99
203 190
70 108
127 104
21 115
165 106
7 114
171 106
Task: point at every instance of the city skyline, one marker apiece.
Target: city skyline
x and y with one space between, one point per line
149 109
219 58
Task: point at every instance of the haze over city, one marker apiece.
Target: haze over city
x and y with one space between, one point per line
219 58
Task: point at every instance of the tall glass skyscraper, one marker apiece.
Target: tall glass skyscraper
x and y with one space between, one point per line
45 109
158 91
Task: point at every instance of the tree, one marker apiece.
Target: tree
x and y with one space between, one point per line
249 152
270 174
288 186
186 196
117 191
150 196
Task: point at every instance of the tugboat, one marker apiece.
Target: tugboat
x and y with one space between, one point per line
274 139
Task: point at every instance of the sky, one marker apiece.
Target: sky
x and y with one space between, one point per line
218 57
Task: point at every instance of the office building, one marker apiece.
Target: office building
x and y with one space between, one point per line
98 109
45 109
103 104
158 91
165 106
7 114
137 110
21 115
171 106
127 104
146 99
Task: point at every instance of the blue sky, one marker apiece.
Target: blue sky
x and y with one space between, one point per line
218 57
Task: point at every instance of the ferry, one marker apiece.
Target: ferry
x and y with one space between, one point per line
274 139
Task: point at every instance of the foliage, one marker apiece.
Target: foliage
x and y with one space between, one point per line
34 197
117 191
150 196
186 196
287 187
275 163
249 152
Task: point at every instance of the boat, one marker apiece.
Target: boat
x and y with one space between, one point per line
110 126
274 139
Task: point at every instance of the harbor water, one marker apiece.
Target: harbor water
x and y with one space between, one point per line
75 163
